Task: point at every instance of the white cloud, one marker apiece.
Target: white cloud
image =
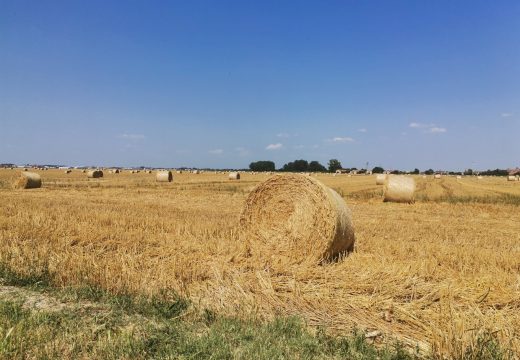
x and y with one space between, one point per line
285 135
131 136
274 146
417 125
436 130
506 115
216 151
428 128
362 130
342 139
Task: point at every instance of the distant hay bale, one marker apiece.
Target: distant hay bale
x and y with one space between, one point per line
148 171
479 177
459 177
234 176
399 189
94 174
179 171
437 176
68 171
196 171
511 178
28 180
380 179
164 176
297 217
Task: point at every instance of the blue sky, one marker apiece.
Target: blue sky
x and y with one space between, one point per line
400 84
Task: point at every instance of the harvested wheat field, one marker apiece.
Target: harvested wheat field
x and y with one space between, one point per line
435 274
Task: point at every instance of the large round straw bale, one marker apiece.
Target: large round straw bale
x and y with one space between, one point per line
399 189
511 178
94 174
437 176
380 179
68 171
28 180
234 176
297 217
196 171
164 176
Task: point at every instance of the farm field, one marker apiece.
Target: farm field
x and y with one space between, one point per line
437 275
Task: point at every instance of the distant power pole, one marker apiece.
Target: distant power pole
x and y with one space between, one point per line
367 166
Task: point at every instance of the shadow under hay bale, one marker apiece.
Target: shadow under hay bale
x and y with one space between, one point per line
296 218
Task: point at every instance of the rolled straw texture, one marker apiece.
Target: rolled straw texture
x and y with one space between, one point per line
399 189
297 218
28 180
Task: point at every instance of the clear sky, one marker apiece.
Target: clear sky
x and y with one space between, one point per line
400 84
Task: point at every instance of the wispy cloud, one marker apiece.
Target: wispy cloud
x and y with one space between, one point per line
437 130
285 135
506 115
362 130
274 146
131 136
341 139
428 128
216 151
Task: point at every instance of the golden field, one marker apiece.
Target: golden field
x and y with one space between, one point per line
435 274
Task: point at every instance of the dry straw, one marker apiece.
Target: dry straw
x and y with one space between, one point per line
296 218
380 179
94 174
399 189
164 176
28 180
234 176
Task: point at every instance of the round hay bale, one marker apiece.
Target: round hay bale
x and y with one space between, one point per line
459 177
28 180
437 176
399 189
511 178
94 174
68 171
380 179
297 217
234 176
196 171
164 176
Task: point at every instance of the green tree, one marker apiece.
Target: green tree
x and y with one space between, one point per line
296 166
416 171
334 165
378 170
262 166
429 172
315 166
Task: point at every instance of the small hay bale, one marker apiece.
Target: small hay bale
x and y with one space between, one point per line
68 171
234 176
399 189
196 171
380 179
28 180
164 176
511 178
297 218
94 174
437 176
479 177
459 177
